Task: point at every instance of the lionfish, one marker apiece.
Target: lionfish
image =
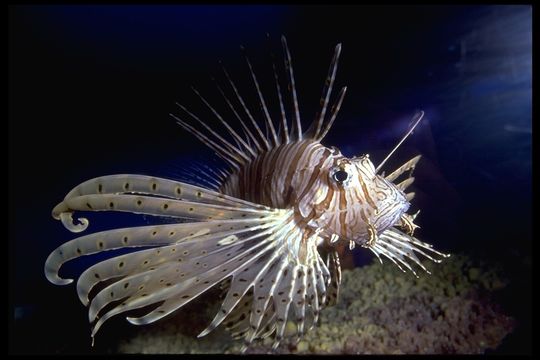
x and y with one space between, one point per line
267 233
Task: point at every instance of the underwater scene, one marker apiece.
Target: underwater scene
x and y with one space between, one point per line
234 179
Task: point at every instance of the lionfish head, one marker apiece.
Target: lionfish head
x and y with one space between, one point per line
363 204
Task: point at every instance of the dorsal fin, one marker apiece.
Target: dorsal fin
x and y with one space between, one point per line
247 131
233 133
335 110
243 148
316 126
297 125
269 123
284 127
246 110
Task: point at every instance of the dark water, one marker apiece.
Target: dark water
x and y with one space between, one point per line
91 88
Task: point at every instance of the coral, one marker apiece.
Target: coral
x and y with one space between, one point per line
380 311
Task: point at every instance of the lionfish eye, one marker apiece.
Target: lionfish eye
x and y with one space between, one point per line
340 176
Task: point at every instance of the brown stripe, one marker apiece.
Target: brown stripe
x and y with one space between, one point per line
366 192
255 180
315 173
272 171
342 214
294 163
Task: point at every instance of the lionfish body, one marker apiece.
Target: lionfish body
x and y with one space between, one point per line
258 234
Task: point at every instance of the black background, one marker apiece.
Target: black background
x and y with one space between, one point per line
90 89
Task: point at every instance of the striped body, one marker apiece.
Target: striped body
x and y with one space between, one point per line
298 175
256 229
276 178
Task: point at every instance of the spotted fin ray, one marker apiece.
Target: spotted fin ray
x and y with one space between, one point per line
253 246
149 195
